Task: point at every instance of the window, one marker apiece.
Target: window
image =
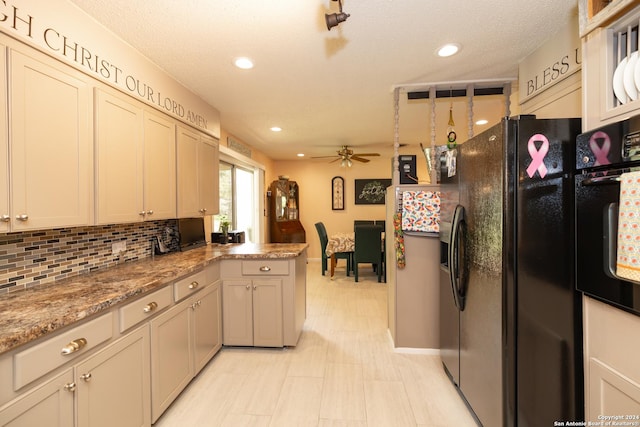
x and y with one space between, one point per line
239 200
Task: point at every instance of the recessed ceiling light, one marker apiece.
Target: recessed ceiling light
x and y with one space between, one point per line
300 154
448 49
243 63
276 129
482 122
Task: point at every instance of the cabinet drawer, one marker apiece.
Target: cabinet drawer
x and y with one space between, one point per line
145 307
265 267
189 285
48 355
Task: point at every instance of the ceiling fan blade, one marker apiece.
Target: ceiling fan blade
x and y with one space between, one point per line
366 154
323 157
360 159
335 160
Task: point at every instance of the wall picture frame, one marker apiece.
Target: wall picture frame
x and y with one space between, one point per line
337 193
371 191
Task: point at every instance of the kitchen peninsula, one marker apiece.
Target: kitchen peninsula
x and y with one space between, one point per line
136 324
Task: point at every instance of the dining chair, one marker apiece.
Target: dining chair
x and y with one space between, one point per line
358 222
368 248
324 239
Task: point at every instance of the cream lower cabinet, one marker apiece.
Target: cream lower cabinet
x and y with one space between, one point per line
264 301
111 388
50 404
612 372
252 312
183 340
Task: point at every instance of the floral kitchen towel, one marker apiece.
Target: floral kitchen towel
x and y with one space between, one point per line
628 262
421 211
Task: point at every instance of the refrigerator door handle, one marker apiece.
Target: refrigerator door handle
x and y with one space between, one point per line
454 257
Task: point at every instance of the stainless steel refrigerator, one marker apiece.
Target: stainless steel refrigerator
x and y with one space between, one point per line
510 316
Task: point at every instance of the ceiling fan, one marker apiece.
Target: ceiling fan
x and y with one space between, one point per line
346 155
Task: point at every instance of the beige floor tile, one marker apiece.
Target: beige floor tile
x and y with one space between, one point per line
299 402
387 404
343 392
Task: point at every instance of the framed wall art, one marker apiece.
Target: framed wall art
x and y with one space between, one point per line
371 191
337 193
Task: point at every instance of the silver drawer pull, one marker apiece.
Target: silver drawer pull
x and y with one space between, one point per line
86 377
5 218
71 387
194 285
150 307
22 217
265 268
74 346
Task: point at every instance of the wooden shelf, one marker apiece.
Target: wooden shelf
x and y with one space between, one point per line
597 13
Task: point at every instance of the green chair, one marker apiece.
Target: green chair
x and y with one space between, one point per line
368 248
324 239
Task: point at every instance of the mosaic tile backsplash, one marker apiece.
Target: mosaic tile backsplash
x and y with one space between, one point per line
43 256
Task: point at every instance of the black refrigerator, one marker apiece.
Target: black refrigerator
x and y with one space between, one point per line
511 319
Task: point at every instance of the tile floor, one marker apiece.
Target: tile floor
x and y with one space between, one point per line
343 372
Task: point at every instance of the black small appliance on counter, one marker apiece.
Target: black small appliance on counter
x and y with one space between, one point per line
234 236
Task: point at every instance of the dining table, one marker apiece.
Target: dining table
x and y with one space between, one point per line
339 242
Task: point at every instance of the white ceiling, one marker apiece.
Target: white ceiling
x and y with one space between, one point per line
329 88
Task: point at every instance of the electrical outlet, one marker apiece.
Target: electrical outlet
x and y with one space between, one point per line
117 247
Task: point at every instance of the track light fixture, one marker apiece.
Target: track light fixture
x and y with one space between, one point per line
334 19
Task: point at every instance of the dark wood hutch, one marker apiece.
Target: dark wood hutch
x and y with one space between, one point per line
284 213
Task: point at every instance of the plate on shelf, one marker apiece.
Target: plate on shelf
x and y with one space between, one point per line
618 82
629 77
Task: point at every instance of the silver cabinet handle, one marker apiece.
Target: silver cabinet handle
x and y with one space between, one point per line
265 268
255 287
150 307
74 346
22 217
86 377
194 285
150 212
248 287
71 387
204 209
5 218
141 213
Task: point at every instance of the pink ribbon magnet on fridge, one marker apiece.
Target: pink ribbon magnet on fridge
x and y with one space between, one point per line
601 152
537 156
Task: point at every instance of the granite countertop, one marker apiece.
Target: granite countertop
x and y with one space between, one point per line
34 312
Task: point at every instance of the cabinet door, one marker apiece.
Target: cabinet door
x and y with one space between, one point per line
610 392
119 159
159 167
5 217
171 357
51 404
207 325
114 385
51 155
187 173
267 313
208 175
237 312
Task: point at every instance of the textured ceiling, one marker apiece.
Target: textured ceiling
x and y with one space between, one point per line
329 88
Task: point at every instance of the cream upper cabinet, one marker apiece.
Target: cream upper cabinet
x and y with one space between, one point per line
5 217
159 167
197 167
136 161
119 159
51 157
